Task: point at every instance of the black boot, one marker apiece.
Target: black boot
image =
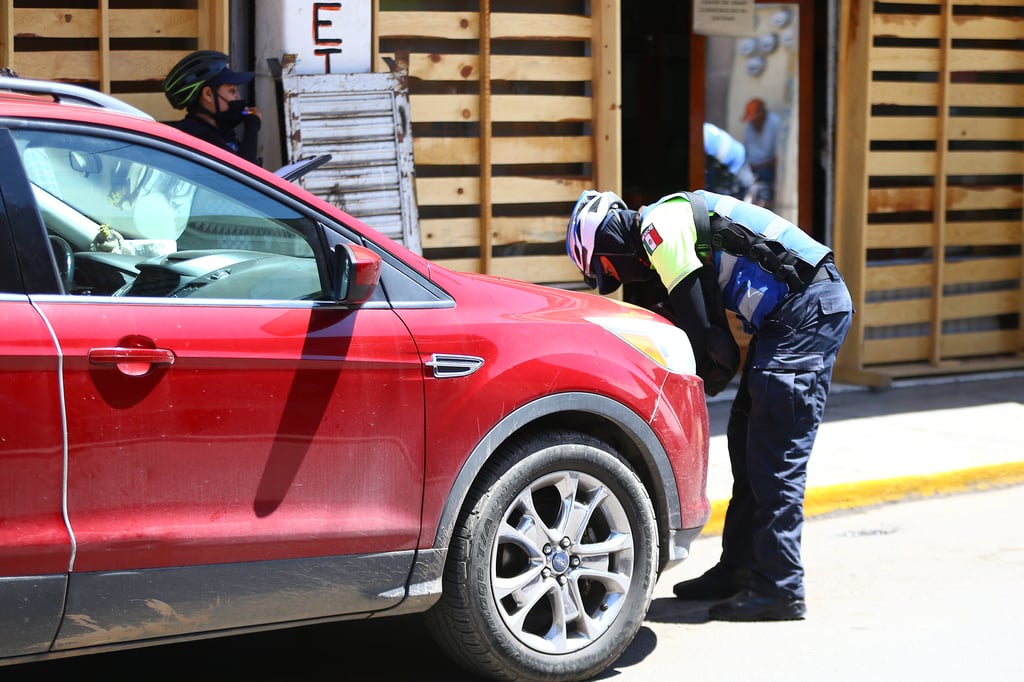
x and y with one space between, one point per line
719 582
750 605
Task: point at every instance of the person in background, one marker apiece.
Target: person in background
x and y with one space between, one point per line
761 138
710 253
204 85
726 170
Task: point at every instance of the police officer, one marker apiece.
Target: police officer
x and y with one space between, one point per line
785 288
726 167
204 84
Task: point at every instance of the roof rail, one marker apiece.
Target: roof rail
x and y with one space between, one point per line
75 94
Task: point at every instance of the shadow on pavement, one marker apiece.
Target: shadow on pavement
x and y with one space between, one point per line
642 646
671 610
664 610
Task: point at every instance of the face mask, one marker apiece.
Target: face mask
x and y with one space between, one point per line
231 116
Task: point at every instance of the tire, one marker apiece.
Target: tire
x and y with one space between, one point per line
552 564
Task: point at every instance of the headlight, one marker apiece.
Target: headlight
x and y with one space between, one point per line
665 344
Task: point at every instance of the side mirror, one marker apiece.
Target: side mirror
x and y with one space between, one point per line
294 171
357 273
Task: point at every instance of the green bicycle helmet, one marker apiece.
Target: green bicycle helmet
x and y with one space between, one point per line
197 70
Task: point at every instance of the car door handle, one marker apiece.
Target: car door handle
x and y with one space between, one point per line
131 361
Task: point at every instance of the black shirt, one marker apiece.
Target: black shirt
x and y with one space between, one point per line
197 126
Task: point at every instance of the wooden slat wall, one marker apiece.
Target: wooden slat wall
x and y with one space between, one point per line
503 108
126 52
930 171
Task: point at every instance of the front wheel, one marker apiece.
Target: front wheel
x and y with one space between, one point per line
552 563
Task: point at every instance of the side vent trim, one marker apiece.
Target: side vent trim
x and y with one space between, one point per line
452 366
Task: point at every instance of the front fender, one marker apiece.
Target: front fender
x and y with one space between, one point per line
631 425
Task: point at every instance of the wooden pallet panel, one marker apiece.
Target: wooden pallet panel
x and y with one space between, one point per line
892 313
980 344
504 112
980 305
524 268
157 36
81 65
921 235
466 25
960 128
982 270
994 233
442 233
906 349
936 259
123 23
463 191
455 67
504 151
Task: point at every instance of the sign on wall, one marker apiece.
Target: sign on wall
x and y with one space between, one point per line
723 17
325 37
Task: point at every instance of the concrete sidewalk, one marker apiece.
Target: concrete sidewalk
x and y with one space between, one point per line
917 439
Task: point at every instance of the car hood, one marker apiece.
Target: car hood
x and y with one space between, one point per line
515 299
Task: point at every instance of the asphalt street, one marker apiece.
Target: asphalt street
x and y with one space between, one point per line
927 589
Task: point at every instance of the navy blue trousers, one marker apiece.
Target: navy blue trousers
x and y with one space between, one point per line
772 426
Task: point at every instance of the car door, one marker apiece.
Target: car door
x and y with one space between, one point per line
35 546
233 437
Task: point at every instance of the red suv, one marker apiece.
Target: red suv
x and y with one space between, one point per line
228 405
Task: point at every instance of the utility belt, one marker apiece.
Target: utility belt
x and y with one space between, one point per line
773 257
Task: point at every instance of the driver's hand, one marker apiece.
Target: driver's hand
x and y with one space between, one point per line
253 111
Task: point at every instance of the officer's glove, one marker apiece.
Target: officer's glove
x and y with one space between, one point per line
721 361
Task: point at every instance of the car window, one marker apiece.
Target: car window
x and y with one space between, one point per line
139 221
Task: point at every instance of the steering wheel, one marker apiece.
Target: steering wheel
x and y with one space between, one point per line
65 257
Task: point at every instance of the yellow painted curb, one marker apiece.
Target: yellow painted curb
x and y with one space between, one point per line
844 496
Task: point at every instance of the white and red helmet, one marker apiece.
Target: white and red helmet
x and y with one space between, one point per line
589 213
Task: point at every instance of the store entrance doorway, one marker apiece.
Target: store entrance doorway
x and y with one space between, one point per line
674 81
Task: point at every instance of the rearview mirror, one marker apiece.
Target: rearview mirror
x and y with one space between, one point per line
86 164
356 273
